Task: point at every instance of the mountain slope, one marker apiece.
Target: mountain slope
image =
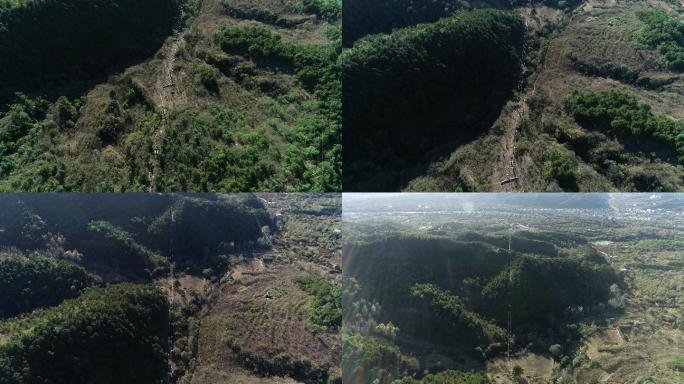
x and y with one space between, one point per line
626 54
242 95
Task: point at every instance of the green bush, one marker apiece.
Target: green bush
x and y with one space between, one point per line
450 377
610 70
37 281
517 371
256 42
676 364
206 76
325 305
325 9
621 114
666 33
560 168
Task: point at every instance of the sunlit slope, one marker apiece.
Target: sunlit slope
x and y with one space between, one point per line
598 111
236 96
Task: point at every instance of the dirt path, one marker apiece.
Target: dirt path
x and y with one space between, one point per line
506 176
166 94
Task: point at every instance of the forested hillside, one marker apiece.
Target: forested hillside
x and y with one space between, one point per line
448 305
596 107
107 335
448 78
134 235
211 95
477 288
165 288
37 281
539 289
47 44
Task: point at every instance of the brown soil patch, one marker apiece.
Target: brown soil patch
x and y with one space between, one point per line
535 368
259 313
596 345
206 375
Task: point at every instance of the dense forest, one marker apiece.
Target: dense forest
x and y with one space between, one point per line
363 18
139 238
37 281
52 43
540 280
464 66
454 297
107 335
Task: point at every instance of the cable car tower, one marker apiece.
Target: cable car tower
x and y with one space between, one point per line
510 287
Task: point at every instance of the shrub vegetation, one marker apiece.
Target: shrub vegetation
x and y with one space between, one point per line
450 377
206 76
105 142
622 115
314 156
325 9
560 168
666 33
325 305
